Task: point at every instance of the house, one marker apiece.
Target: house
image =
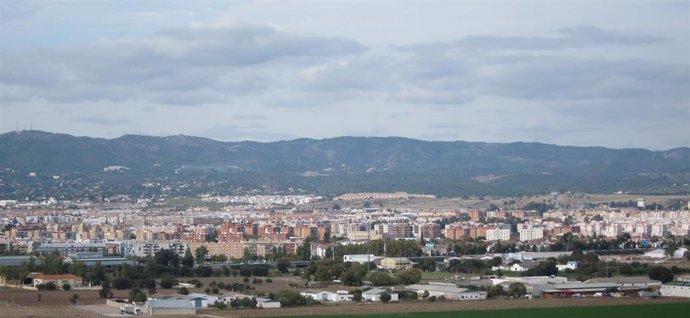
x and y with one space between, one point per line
320 249
523 267
448 291
343 295
680 253
318 295
202 300
58 280
675 289
396 263
571 265
267 303
227 298
375 294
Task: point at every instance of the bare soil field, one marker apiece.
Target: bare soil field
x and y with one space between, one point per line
24 297
11 311
423 306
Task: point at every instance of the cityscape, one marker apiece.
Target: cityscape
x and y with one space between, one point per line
339 159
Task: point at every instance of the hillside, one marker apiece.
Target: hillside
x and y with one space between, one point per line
328 166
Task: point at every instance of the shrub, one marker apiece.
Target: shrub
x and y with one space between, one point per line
385 297
167 283
73 300
136 295
66 286
183 291
105 292
381 279
410 276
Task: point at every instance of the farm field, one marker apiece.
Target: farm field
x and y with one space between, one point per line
454 308
626 311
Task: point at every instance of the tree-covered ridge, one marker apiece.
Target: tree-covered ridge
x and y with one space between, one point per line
332 166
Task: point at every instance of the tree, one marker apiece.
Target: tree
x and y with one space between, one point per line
52 264
122 283
66 286
381 279
517 289
167 260
385 297
660 273
200 254
357 295
426 264
291 298
354 275
167 282
283 265
105 292
188 259
545 268
183 291
137 295
410 276
495 291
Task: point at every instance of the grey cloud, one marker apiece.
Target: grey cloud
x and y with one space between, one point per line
249 116
441 74
14 9
563 38
180 66
239 133
103 121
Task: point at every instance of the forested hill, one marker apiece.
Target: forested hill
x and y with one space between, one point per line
328 166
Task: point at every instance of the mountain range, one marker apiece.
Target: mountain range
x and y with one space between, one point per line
36 163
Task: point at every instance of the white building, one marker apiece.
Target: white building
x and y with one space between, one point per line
360 258
675 289
375 294
655 253
572 265
448 291
150 248
498 233
530 232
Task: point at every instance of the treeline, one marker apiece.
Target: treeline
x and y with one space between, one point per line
393 248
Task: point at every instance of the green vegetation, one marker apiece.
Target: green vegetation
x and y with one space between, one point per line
441 168
625 311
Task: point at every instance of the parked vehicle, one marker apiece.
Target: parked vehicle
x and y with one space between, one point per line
130 309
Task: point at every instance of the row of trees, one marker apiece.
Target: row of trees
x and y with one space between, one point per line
354 274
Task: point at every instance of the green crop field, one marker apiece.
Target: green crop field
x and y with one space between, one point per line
627 311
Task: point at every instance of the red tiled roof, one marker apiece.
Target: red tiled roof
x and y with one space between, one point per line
63 276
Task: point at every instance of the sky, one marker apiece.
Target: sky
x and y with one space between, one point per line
583 73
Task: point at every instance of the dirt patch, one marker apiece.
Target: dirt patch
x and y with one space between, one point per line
11 311
24 297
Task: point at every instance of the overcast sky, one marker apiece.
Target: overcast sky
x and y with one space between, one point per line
587 73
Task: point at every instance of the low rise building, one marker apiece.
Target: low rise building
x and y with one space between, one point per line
675 289
447 291
58 280
396 263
